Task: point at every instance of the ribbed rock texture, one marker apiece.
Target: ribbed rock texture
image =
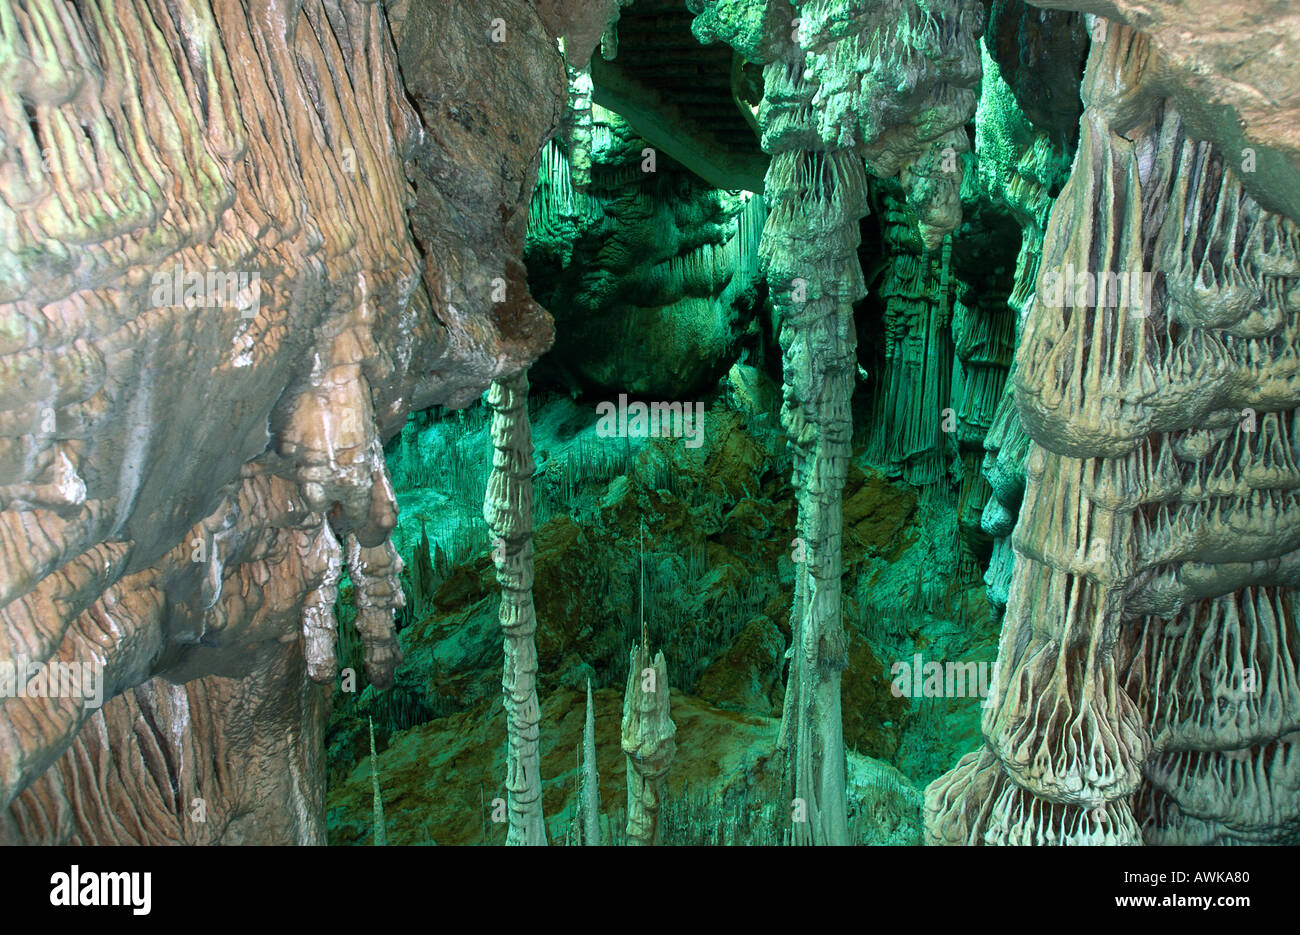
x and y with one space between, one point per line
1232 69
508 511
649 742
1021 166
1143 688
188 465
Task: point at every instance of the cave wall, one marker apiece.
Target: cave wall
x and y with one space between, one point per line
189 472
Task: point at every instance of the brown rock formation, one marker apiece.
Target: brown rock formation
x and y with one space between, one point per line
215 312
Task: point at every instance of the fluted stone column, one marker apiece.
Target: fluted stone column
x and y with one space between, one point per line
508 509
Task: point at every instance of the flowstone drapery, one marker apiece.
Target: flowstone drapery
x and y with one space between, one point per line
1018 168
167 260
914 383
508 509
1144 681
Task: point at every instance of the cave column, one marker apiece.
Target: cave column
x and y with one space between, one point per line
810 244
508 509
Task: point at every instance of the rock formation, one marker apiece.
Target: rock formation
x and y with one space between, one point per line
1151 543
215 314
590 778
242 243
648 254
834 105
508 510
381 831
648 742
814 278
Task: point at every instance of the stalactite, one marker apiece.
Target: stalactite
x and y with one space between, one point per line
609 39
508 510
319 626
1221 687
558 210
983 342
580 128
377 593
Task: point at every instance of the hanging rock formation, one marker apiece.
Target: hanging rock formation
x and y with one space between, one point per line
1230 68
215 312
1020 167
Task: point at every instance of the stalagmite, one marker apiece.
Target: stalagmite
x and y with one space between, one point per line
648 742
381 830
508 510
590 778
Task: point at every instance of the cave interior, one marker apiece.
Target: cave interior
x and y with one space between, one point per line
635 422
